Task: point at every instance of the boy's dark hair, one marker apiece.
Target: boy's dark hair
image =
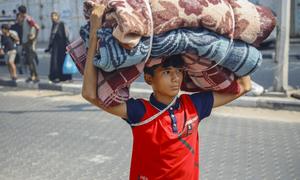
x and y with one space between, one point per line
174 61
22 9
5 26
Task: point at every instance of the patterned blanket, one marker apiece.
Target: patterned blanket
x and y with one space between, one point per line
204 75
111 55
113 87
130 19
238 57
240 19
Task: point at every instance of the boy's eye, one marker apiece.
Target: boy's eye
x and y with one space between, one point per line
180 70
166 72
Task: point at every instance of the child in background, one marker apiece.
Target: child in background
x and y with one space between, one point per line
9 41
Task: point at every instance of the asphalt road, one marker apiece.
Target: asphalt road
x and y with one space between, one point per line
58 136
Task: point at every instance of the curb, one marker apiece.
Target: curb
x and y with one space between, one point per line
42 85
275 103
142 90
294 40
271 55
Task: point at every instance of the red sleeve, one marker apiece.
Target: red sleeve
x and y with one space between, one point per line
32 23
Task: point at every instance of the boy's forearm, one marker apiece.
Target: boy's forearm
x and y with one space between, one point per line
89 88
222 99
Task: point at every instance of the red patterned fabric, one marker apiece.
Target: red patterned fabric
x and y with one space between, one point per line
130 19
253 23
203 75
113 87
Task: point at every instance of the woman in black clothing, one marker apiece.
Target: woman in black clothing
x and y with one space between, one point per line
57 48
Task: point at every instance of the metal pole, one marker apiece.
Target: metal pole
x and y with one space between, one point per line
282 48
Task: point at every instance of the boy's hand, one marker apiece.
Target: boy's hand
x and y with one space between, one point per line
245 84
96 17
224 98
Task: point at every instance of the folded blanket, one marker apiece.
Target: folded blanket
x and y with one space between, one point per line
203 75
111 55
78 52
130 19
238 57
207 76
112 88
189 86
253 23
211 14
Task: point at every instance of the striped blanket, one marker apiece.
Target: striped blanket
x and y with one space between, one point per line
204 75
112 88
238 57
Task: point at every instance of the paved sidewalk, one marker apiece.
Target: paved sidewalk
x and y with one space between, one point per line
52 135
142 90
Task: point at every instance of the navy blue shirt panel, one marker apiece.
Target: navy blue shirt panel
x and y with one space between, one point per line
203 102
135 110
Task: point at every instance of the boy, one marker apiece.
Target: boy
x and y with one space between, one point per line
9 41
166 147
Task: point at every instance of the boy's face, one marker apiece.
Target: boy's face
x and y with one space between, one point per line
166 81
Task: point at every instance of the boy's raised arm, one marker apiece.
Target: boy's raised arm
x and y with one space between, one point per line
89 87
224 98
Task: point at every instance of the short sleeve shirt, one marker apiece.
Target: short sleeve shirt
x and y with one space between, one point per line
203 102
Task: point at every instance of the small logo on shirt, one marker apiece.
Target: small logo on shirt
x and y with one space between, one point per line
189 124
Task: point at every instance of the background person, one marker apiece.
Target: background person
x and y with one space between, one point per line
9 39
30 31
57 47
18 27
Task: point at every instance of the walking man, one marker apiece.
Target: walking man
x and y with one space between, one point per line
30 31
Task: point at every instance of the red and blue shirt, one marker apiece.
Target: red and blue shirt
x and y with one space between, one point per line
167 147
